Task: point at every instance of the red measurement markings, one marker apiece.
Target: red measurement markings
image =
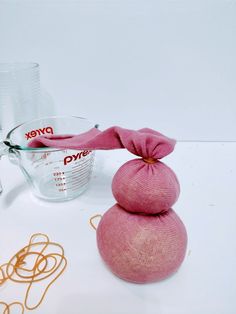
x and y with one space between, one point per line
62 190
58 173
59 176
59 179
60 184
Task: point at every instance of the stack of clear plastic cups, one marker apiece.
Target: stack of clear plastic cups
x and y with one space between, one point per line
20 96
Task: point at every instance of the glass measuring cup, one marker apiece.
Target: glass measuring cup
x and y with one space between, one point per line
53 174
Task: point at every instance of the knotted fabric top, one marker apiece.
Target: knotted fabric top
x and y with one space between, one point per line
145 143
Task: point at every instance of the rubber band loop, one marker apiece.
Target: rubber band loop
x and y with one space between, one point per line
150 160
91 221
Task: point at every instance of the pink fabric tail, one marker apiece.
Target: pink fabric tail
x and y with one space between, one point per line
146 143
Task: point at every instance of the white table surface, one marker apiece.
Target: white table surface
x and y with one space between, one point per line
206 282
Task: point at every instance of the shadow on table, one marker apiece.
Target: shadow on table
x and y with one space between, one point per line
9 197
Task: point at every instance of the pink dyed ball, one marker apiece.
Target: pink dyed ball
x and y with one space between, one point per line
142 187
141 248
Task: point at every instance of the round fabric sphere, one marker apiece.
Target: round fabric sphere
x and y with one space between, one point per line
141 248
144 187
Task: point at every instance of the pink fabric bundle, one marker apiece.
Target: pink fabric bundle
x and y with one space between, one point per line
141 248
140 239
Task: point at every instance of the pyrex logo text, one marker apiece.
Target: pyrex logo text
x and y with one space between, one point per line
34 133
71 158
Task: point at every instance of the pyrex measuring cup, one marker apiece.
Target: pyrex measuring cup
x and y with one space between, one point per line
53 174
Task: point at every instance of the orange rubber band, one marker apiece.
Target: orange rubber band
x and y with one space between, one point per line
91 221
17 269
150 160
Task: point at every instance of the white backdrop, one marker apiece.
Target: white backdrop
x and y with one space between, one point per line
169 65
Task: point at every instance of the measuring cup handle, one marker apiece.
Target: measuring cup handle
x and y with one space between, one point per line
3 151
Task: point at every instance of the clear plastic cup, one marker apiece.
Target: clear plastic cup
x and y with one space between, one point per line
19 94
53 174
